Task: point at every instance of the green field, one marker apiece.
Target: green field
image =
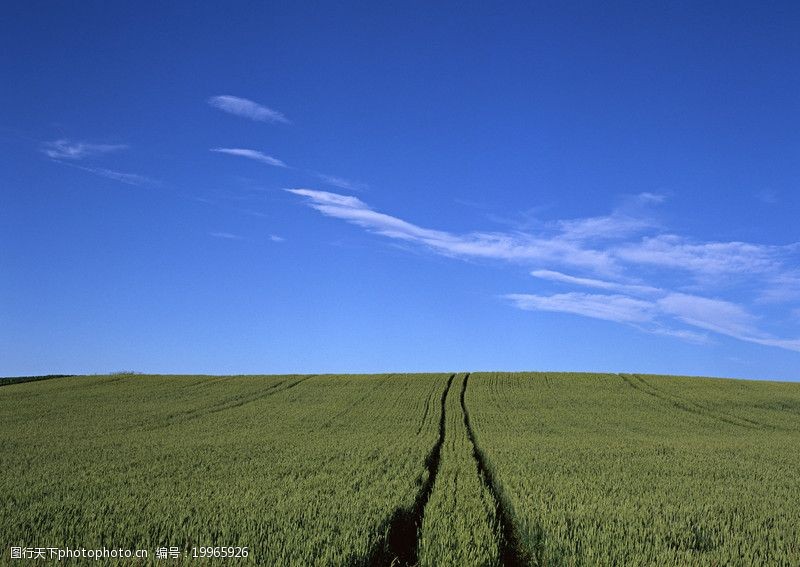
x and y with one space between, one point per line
405 469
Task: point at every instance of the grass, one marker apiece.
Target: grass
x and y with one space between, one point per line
460 525
303 470
499 469
631 470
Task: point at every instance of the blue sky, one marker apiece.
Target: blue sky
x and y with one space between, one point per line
261 188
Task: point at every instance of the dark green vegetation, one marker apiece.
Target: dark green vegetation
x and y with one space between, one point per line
459 524
489 469
21 379
644 470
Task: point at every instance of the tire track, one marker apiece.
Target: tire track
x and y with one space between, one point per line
704 407
638 383
230 403
206 381
400 545
511 554
425 415
345 411
275 389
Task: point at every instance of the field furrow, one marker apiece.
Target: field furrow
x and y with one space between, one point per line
489 469
596 473
460 526
400 544
510 552
428 403
287 474
638 383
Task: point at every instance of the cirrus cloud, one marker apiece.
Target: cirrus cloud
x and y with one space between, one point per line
247 109
251 154
64 149
614 253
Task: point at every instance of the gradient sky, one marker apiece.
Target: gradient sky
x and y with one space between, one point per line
264 188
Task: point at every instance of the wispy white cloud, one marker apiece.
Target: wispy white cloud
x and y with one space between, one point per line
610 227
618 308
714 315
516 247
251 154
682 334
317 198
704 259
718 316
781 287
788 344
68 152
616 247
253 213
647 198
225 235
631 217
767 196
723 317
341 182
232 236
247 109
595 283
120 176
73 150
